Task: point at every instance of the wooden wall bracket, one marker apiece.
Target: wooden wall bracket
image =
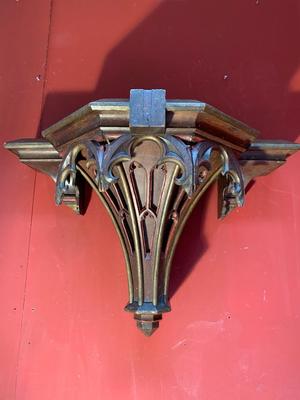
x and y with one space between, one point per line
150 160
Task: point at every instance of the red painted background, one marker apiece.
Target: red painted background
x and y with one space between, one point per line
234 329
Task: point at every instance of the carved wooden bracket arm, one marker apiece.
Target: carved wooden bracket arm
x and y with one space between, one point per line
150 160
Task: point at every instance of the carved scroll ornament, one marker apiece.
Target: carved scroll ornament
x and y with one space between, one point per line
150 161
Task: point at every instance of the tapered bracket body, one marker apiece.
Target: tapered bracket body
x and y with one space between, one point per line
150 161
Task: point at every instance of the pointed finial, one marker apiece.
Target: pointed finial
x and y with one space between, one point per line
147 323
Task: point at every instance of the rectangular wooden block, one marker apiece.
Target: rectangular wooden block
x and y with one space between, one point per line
147 111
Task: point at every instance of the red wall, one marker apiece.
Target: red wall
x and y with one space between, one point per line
234 329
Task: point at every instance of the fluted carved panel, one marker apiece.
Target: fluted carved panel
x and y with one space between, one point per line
150 184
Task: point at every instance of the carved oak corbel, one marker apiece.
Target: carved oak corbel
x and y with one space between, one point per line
150 160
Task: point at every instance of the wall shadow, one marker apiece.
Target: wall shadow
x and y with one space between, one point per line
237 56
192 243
